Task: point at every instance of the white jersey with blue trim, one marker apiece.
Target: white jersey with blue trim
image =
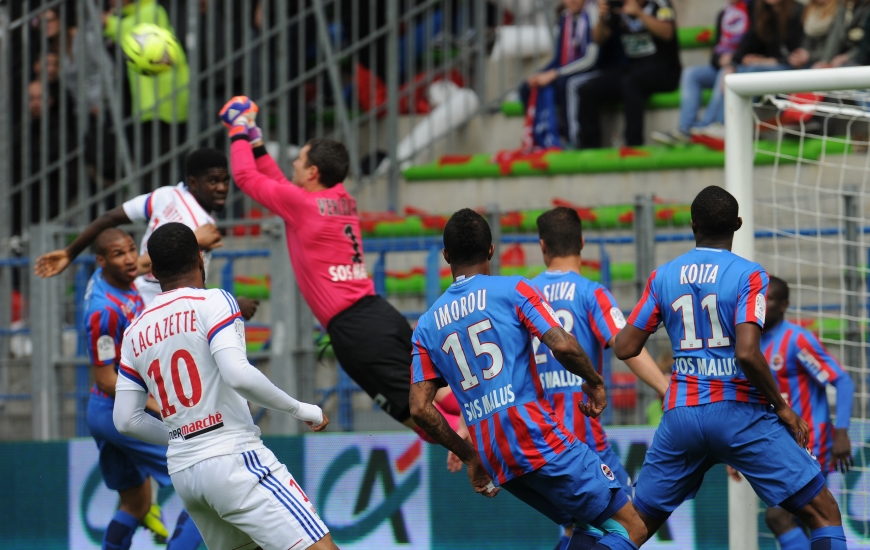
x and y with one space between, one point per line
169 352
171 203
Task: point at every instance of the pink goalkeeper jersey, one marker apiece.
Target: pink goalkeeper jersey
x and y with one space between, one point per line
323 234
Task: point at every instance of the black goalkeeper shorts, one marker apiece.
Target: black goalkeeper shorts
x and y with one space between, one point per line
372 342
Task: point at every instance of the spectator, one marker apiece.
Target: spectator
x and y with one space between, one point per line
576 60
772 43
818 19
731 24
648 34
847 33
160 101
50 139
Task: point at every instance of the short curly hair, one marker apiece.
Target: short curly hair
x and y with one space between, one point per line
173 250
467 238
715 212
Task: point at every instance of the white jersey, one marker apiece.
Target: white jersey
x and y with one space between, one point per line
164 205
168 352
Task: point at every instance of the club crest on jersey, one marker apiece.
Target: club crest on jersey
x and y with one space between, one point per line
608 473
776 362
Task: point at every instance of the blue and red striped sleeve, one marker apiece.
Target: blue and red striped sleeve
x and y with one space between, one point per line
103 334
607 319
533 310
647 314
752 298
816 360
422 367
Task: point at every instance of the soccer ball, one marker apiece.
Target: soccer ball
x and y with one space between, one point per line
150 49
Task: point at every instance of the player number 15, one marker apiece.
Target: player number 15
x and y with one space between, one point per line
454 346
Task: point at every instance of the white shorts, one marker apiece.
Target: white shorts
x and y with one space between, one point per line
242 501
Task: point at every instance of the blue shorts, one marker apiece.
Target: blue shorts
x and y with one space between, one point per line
576 486
125 462
746 436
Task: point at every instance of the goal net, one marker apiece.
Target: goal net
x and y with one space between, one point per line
797 159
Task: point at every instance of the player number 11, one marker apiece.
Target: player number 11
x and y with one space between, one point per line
686 303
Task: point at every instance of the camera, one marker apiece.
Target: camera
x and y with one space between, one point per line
616 4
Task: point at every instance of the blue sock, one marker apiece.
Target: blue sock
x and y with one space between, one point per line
614 541
582 540
828 538
119 533
794 539
186 536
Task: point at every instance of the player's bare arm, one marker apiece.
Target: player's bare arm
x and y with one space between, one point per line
645 368
433 423
630 342
568 351
53 263
747 350
105 377
841 452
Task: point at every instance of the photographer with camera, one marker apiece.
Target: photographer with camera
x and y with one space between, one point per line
647 33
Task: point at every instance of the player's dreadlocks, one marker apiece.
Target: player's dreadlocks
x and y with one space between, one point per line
467 238
715 212
562 231
174 252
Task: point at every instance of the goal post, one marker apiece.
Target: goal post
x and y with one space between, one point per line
803 208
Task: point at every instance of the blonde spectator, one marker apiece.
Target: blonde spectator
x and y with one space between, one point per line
846 34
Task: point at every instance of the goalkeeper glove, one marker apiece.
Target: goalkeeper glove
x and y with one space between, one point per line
235 115
255 135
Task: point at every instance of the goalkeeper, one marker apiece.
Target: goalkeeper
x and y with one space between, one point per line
371 339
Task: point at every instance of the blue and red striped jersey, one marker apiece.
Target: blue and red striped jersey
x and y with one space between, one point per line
802 368
108 313
477 338
701 297
589 312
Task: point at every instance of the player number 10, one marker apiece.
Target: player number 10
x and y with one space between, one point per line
166 408
453 345
686 303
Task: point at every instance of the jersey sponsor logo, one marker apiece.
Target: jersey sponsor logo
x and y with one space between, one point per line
198 427
812 364
559 379
106 348
760 307
352 272
153 333
461 308
495 400
707 366
372 492
776 362
696 274
564 290
618 317
608 473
